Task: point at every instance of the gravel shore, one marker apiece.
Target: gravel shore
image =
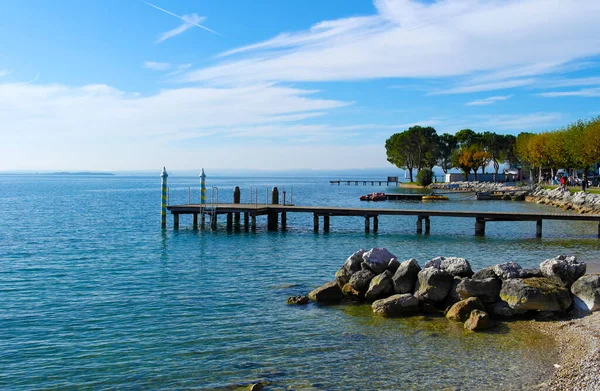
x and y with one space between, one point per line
579 348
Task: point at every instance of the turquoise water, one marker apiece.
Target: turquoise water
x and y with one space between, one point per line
95 296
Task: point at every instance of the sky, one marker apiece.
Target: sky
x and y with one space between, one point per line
108 85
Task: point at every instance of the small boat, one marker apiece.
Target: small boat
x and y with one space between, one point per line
433 197
373 197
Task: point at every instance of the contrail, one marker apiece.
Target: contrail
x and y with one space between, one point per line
179 17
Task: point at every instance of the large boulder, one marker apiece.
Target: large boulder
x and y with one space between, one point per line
531 272
405 277
378 259
455 266
563 268
586 292
453 296
393 265
487 290
507 270
329 293
501 309
486 272
380 286
478 320
342 277
537 293
360 281
353 262
396 305
433 285
460 311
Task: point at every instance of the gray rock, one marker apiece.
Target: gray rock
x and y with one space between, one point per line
353 262
380 286
360 281
586 292
532 272
256 387
487 290
537 293
378 259
478 320
297 300
433 285
405 277
504 271
393 265
460 311
329 293
396 305
486 272
563 268
453 296
342 276
501 309
455 266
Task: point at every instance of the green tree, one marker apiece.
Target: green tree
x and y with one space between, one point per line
447 144
416 147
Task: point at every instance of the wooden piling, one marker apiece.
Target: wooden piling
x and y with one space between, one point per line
272 218
229 221
479 227
367 224
419 225
427 224
326 223
283 220
538 229
253 222
316 222
176 220
375 224
195 221
246 219
213 221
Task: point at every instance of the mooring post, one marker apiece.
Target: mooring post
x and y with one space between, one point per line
272 218
326 223
195 221
236 200
419 224
163 198
229 221
316 222
427 224
283 219
367 224
479 227
275 196
538 229
246 220
375 224
213 221
176 221
253 222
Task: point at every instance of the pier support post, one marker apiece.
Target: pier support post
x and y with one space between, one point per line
326 223
419 225
195 221
236 200
427 224
229 221
367 224
272 220
213 221
246 220
176 221
316 222
479 227
375 224
283 220
538 229
253 222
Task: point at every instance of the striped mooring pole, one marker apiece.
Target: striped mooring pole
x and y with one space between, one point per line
202 193
163 203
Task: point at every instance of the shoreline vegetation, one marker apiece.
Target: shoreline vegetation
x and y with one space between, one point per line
558 298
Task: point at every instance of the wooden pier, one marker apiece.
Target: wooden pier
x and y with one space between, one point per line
391 179
277 214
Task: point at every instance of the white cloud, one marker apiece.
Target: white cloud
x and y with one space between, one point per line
157 66
499 85
4 72
407 38
180 69
576 82
488 101
189 21
585 93
520 122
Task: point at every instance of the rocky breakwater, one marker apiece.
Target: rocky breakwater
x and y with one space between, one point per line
580 202
448 285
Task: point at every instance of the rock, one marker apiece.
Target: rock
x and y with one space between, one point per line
565 269
478 320
586 292
380 286
256 387
455 266
537 293
342 277
329 293
504 271
393 265
405 277
461 310
297 300
487 290
453 296
486 272
501 309
353 262
532 272
433 285
360 281
377 259
396 305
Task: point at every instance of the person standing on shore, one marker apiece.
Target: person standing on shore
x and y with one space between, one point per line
563 183
584 183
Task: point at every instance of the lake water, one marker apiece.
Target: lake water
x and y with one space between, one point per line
95 296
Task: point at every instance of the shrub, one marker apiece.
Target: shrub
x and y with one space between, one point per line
424 177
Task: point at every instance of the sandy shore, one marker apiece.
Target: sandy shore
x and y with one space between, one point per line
579 348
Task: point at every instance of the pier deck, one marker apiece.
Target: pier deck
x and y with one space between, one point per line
275 211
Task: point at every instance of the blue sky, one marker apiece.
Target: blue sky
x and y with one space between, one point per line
134 85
